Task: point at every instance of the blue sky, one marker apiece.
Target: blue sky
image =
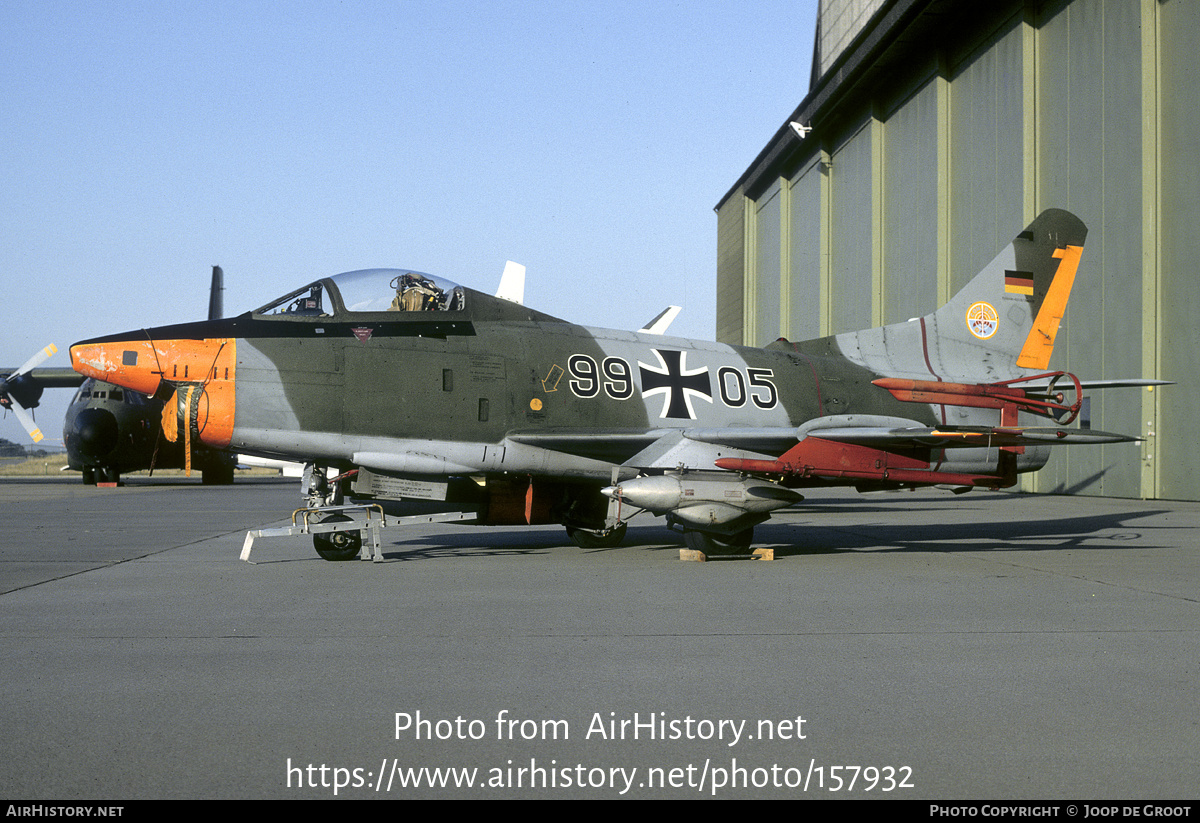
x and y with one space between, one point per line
145 142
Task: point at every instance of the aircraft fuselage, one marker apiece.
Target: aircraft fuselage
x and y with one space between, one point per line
493 387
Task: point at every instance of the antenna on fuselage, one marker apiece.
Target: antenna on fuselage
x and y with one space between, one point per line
660 323
512 283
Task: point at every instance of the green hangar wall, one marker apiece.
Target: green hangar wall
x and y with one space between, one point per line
935 134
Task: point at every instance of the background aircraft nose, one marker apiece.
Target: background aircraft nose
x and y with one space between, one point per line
97 432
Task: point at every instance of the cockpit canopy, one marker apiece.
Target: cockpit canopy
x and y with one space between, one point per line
370 290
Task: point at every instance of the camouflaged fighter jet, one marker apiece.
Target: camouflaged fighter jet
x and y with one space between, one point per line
420 388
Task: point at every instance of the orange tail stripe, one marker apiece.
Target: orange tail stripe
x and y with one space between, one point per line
1040 342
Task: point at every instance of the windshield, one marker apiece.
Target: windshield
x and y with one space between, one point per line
397 290
307 301
372 290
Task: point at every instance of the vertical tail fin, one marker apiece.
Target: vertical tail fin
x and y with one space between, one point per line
216 301
1002 322
1015 305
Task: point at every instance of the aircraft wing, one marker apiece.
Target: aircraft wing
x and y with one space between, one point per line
610 445
665 448
892 454
56 378
700 448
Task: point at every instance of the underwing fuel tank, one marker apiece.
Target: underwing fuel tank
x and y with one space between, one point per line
702 498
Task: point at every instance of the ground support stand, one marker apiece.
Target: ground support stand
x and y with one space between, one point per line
307 521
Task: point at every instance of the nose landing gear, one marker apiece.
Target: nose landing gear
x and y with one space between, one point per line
338 545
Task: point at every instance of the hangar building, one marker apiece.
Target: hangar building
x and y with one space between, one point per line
933 132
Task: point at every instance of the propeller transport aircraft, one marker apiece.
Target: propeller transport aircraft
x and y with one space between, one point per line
109 430
410 387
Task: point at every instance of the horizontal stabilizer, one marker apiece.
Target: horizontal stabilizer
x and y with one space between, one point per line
970 436
1107 384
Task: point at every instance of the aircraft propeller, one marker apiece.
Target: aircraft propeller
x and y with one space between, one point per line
20 392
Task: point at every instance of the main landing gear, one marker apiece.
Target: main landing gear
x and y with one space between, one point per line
601 539
710 543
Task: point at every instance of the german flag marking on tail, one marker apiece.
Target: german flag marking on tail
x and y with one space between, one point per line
1018 282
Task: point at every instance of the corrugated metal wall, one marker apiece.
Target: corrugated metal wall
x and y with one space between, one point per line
1090 161
1088 105
731 251
840 22
910 189
803 287
1176 246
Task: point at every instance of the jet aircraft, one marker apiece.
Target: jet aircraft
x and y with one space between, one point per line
107 429
408 386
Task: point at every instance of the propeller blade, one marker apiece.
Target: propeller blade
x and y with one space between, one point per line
27 421
37 360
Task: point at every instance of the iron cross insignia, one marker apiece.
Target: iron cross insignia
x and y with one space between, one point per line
676 383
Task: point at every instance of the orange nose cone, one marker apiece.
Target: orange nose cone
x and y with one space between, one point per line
201 369
128 363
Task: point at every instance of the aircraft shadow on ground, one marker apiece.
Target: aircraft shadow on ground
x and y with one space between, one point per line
510 540
1116 530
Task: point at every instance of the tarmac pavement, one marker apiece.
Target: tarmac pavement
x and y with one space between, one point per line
924 645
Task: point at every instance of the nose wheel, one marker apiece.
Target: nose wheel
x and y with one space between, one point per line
341 545
604 539
93 475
